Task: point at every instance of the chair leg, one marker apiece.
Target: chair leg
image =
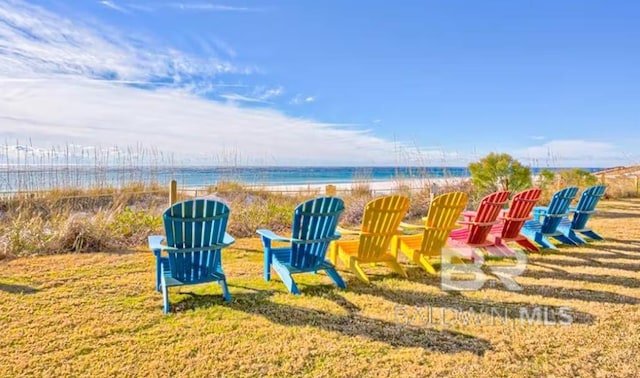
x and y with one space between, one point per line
426 265
543 241
333 254
165 298
286 277
225 290
527 245
396 268
565 239
355 267
158 271
591 234
575 237
267 264
335 277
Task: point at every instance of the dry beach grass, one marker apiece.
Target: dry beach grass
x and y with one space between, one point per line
98 315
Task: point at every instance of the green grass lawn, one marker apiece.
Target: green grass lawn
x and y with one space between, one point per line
98 315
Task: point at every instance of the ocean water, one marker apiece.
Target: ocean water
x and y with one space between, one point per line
43 178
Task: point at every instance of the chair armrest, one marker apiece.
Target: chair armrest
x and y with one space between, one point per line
155 243
473 223
270 235
504 215
505 218
228 239
412 226
344 231
469 214
539 211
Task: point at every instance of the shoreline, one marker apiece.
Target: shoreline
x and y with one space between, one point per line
378 186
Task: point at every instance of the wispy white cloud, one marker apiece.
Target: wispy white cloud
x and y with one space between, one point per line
65 81
114 6
224 47
190 6
572 152
235 97
259 94
37 43
300 99
537 137
271 92
100 113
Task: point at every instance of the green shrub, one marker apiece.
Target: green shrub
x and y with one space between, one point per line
133 226
255 213
499 172
577 177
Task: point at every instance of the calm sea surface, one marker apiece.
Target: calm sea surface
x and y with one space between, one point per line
42 178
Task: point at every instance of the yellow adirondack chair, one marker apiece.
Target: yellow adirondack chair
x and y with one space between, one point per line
380 222
425 248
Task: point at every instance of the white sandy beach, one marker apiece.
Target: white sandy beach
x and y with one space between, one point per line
379 187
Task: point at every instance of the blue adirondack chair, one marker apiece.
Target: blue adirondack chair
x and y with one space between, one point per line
581 214
195 235
546 220
314 227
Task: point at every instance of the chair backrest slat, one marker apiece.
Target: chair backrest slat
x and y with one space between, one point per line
488 212
380 221
587 205
558 208
314 223
196 225
441 219
521 206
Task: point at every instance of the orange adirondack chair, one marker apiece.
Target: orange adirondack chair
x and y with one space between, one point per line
380 222
508 230
479 224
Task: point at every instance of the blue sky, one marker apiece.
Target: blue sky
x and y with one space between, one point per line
328 82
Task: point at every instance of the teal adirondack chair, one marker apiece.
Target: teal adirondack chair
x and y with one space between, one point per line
547 219
314 227
195 236
581 214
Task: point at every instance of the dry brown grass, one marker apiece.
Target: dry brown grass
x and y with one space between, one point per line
98 315
76 220
623 187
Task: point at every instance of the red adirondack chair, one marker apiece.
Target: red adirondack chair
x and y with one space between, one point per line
508 230
479 223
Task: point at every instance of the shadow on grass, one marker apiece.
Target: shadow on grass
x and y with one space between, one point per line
616 214
17 289
624 241
586 295
353 324
582 262
563 275
603 253
454 300
616 247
